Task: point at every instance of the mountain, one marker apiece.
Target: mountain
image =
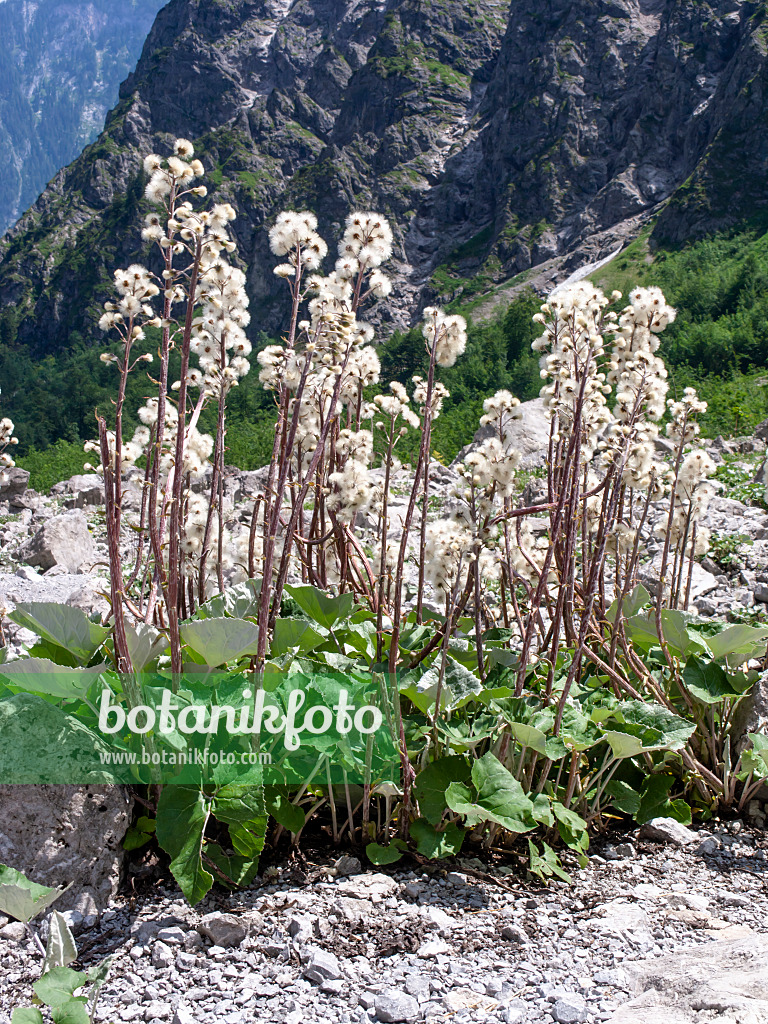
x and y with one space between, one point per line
61 64
497 138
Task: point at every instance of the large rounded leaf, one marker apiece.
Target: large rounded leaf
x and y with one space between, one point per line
434 780
66 627
324 610
40 675
218 641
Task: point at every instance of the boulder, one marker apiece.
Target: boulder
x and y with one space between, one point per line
60 834
64 540
82 489
702 581
529 434
251 482
13 482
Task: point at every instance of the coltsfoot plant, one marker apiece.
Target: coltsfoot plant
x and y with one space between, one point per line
529 683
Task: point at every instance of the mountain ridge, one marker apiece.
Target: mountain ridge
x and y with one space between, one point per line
497 140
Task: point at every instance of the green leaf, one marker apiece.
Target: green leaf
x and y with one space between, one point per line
529 736
361 637
459 687
26 1015
381 855
237 870
655 802
238 803
40 675
60 950
295 634
238 602
738 643
22 899
500 797
145 644
218 641
139 835
624 797
437 844
284 812
182 814
546 863
572 827
577 731
754 760
632 603
96 977
641 630
74 1011
432 783
624 744
638 727
67 627
320 607
248 842
707 682
242 809
58 986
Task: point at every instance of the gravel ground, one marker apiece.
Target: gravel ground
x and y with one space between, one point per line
470 943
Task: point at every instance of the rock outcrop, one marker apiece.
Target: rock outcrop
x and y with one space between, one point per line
57 835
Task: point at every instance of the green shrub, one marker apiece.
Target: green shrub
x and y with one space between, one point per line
59 462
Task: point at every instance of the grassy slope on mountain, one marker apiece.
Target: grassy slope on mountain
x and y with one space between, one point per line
719 343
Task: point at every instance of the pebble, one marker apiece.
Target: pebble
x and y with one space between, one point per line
410 946
395 1007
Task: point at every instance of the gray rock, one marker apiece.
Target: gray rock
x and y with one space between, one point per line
14 931
157 1010
60 834
224 930
570 1009
417 985
81 490
89 598
79 922
13 482
707 847
64 540
666 830
322 966
182 1015
528 434
751 714
173 936
300 927
514 933
395 1007
346 866
162 955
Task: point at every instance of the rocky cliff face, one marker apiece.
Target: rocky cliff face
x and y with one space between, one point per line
495 137
61 64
